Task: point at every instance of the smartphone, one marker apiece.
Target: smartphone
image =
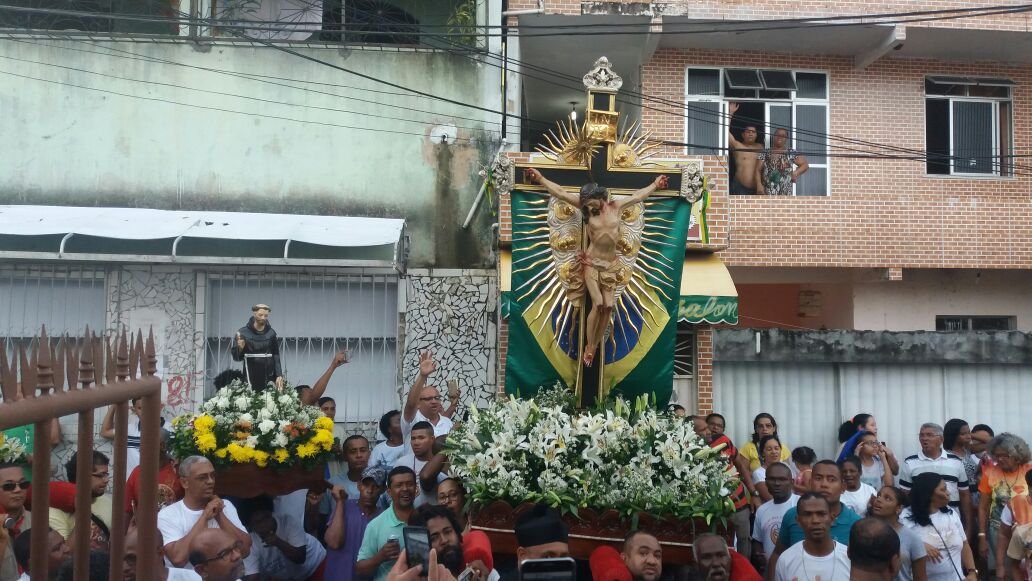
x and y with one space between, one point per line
470 574
453 388
417 546
561 569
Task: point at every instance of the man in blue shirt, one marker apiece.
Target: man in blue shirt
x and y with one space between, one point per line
825 480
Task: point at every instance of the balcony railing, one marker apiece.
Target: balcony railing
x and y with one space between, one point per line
444 24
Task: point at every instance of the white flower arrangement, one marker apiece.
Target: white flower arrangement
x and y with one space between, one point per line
632 460
12 450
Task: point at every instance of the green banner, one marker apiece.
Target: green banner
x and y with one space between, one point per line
544 329
708 309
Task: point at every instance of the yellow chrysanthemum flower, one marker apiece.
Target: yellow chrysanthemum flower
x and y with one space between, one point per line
221 452
240 454
324 423
206 442
306 450
261 458
204 423
322 438
281 455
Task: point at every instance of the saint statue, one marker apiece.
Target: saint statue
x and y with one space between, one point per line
602 265
258 347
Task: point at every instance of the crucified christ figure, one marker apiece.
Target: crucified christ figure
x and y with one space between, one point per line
601 265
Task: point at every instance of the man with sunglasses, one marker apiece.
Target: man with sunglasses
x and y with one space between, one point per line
424 402
181 523
13 487
217 555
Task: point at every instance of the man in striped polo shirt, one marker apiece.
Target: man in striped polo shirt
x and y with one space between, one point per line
933 458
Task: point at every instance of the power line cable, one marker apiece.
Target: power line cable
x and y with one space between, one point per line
572 30
211 108
248 76
252 98
822 144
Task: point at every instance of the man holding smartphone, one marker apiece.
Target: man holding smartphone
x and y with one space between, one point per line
383 539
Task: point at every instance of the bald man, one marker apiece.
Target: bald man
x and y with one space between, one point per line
423 403
132 550
216 555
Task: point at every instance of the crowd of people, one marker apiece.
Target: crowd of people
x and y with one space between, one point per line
957 508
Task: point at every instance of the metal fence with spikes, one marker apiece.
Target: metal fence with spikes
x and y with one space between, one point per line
77 376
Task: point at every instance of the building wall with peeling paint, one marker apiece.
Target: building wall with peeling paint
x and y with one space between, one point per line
250 128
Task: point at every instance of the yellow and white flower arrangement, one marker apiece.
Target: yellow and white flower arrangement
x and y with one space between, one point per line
241 426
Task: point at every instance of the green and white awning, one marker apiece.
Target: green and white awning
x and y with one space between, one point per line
708 294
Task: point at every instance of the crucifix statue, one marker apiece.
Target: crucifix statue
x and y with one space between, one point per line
596 264
602 269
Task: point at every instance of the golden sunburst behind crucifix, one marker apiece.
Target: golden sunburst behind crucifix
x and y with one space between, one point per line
570 144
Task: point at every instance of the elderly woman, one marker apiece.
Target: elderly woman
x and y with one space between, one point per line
1001 482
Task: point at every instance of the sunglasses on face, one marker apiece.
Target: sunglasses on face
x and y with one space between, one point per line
11 486
431 398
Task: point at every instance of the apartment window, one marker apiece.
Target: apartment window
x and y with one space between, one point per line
975 323
968 126
767 99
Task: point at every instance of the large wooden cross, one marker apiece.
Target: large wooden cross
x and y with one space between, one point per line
594 152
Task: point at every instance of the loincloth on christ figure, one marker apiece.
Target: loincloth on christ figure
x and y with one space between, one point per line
607 273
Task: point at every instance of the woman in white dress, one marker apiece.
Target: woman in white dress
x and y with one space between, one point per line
939 526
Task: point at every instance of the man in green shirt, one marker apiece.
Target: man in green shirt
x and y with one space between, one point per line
383 539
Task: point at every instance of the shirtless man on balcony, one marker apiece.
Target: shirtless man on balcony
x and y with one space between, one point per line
744 152
602 269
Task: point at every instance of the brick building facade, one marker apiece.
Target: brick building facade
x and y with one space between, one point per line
909 226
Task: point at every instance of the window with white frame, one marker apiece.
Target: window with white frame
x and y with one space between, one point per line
65 298
685 385
315 315
768 99
968 126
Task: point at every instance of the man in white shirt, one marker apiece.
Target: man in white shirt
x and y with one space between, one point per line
768 516
819 556
217 555
422 441
424 402
280 547
933 458
200 509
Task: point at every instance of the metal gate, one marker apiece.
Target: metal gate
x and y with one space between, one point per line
315 315
810 401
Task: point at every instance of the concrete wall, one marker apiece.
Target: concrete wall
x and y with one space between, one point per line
913 303
962 347
144 124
